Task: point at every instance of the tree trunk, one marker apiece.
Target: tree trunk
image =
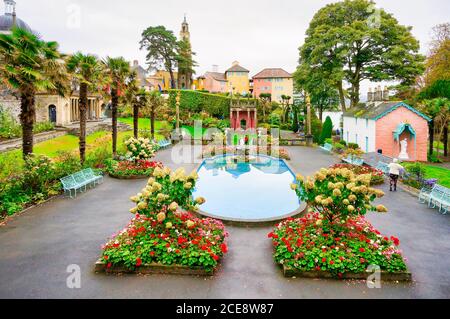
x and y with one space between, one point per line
114 105
172 80
152 121
431 132
136 120
83 120
27 117
446 140
321 113
355 95
341 96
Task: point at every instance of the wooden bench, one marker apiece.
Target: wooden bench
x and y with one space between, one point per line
80 181
353 160
327 147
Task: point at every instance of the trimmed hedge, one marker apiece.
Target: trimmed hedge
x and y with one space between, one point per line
196 102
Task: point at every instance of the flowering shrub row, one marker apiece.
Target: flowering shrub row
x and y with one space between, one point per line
214 150
130 169
338 193
310 244
377 176
164 231
140 149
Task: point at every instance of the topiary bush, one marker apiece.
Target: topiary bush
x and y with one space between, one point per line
327 130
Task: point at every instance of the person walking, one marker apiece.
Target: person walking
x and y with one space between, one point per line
394 173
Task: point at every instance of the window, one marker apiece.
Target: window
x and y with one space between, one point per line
356 138
367 123
348 139
356 120
367 144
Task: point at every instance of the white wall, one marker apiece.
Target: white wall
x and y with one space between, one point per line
360 131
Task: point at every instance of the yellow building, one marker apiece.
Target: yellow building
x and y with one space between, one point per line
237 79
161 80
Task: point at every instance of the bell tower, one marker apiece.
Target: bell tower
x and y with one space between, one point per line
184 33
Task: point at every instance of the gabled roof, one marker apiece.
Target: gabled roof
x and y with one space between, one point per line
216 76
377 111
237 68
272 73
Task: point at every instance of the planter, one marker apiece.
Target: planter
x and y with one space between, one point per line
129 177
385 276
100 267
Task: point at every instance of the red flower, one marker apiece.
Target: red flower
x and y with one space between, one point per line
318 268
106 257
215 257
362 260
395 240
109 265
138 262
152 253
224 248
362 250
324 260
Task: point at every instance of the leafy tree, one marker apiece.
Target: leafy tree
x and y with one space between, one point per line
118 70
266 98
155 104
87 72
285 106
324 95
351 41
327 130
136 97
185 63
29 65
161 45
438 61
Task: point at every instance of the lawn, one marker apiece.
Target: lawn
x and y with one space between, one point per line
442 174
144 123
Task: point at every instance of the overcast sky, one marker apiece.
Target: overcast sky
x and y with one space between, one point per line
258 33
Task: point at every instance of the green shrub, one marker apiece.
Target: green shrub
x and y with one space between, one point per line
274 120
43 127
197 102
9 128
329 141
433 158
327 130
353 146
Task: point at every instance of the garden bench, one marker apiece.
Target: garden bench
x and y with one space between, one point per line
79 181
164 144
327 147
381 166
439 197
354 160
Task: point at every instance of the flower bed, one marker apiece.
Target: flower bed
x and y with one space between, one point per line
164 235
130 169
337 240
309 244
377 176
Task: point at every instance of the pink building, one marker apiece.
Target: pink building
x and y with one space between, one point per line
395 128
214 82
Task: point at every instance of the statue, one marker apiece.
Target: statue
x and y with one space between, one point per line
403 150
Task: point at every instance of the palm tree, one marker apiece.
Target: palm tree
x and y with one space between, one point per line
118 70
87 71
135 97
30 65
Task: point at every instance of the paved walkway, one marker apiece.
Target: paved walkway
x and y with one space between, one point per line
37 247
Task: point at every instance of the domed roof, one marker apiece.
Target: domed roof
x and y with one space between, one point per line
7 21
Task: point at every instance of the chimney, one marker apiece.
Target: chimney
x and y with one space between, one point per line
136 63
386 94
378 94
370 95
215 68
